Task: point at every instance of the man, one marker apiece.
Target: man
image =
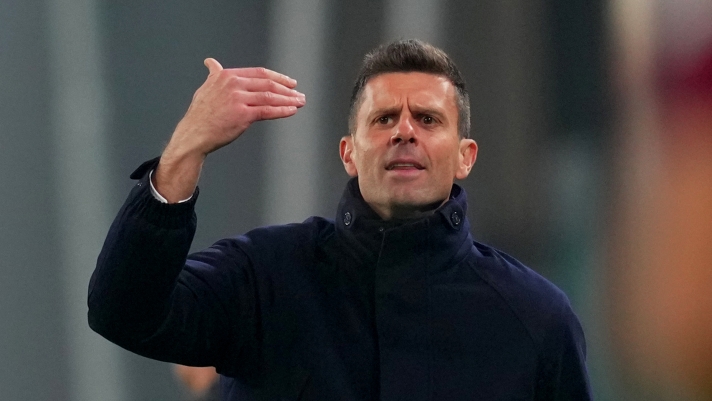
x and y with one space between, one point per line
392 300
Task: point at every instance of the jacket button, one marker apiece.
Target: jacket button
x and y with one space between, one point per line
455 218
347 218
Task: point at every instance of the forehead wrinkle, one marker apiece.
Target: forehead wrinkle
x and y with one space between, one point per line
434 106
387 110
429 106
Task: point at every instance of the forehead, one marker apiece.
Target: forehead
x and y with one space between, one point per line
417 89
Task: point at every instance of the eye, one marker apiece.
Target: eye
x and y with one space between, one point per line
384 120
428 120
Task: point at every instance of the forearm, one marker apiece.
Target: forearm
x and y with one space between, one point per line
145 250
178 171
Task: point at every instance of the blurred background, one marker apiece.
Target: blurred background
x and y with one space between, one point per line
594 120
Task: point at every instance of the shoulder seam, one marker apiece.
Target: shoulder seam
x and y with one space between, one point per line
538 343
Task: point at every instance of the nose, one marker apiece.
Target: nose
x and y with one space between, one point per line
404 132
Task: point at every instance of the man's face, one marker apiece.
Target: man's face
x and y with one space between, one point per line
405 149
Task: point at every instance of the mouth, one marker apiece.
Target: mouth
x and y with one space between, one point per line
404 165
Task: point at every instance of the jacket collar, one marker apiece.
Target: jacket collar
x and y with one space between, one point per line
446 231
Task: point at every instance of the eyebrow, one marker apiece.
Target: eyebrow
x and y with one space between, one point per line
387 111
433 112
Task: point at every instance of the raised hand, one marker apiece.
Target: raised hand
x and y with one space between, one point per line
232 99
222 109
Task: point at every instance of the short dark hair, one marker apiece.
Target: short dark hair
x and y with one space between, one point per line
411 55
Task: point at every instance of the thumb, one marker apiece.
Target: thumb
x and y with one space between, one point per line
213 65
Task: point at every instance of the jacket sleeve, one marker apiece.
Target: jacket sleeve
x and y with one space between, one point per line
562 372
148 296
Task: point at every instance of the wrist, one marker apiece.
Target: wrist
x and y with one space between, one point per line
181 158
185 145
177 174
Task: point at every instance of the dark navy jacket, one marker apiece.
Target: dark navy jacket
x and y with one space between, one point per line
351 309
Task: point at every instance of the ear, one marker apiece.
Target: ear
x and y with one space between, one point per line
468 155
346 147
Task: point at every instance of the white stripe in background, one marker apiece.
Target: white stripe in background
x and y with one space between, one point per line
296 48
79 126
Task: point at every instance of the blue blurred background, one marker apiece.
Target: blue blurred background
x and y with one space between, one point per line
594 121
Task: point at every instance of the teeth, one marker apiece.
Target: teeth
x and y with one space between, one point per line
395 165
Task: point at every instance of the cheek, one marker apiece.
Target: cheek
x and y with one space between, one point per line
367 157
449 159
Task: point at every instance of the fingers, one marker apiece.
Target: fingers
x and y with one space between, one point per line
213 66
261 72
258 79
271 99
260 93
253 72
272 112
268 85
270 106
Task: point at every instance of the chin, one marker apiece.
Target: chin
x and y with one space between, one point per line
417 203
417 196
